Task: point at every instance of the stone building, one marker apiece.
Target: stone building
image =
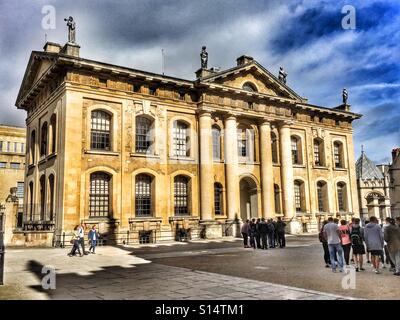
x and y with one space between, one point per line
12 169
149 157
394 174
373 188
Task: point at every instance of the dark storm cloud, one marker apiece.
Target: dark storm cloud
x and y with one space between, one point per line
304 36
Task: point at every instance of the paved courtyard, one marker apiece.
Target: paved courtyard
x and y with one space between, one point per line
198 270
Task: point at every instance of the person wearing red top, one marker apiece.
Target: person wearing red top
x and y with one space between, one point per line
346 242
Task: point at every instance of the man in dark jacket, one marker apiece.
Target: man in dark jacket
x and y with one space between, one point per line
258 234
280 231
392 237
253 232
263 228
271 234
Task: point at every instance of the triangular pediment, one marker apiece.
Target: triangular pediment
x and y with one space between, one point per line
256 76
39 63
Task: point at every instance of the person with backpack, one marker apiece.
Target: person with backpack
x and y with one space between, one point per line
357 244
324 243
346 243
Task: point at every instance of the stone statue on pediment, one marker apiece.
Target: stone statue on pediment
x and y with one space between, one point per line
282 75
71 29
345 96
204 57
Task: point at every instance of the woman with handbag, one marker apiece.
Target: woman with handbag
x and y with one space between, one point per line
75 242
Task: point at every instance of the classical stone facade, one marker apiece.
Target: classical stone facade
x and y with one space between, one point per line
149 157
394 174
373 188
12 169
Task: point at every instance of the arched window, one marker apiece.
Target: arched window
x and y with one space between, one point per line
319 152
143 195
218 199
248 86
180 136
31 201
144 135
338 154
299 196
216 143
181 195
246 144
277 198
53 131
42 183
99 195
32 146
43 140
100 135
274 148
296 150
321 196
51 197
342 197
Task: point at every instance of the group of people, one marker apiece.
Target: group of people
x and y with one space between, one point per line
78 240
380 243
263 233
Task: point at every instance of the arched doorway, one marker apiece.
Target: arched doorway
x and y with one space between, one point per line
248 199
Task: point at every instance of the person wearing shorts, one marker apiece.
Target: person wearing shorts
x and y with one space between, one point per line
373 236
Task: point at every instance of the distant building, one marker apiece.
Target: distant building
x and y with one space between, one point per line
12 169
373 188
394 174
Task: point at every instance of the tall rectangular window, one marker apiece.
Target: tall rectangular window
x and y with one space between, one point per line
143 135
218 204
317 160
99 195
15 146
100 130
320 195
216 143
180 136
20 190
181 196
22 147
143 195
297 196
8 146
295 151
1 146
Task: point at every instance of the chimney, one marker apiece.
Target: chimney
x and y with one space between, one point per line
52 47
244 60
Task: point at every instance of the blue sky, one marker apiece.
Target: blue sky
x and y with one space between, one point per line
305 37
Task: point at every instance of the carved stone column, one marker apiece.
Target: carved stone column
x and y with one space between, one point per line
267 178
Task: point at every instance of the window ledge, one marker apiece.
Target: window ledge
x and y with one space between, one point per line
144 155
150 218
301 166
251 163
339 169
276 164
218 161
181 158
182 217
102 152
321 167
41 161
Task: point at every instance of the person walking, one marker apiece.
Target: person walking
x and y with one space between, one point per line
373 236
350 226
324 243
280 232
357 243
258 235
75 243
392 238
263 228
93 238
368 253
333 237
245 230
388 222
81 232
271 234
253 233
346 243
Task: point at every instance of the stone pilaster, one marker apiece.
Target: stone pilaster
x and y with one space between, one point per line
267 177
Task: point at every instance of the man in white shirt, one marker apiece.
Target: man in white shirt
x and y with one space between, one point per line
332 235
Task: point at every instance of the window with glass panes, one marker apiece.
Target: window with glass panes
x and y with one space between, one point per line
100 131
218 206
216 143
317 155
336 155
295 151
340 194
180 148
99 195
15 146
242 143
181 185
143 195
320 196
20 190
274 148
1 146
297 196
143 135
